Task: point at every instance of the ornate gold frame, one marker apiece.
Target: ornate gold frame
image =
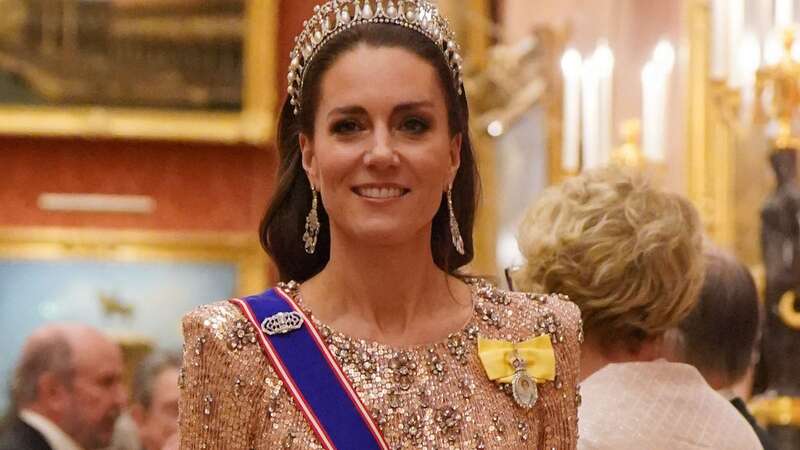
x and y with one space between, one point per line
138 246
711 132
253 124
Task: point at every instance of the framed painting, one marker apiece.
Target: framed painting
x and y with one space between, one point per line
135 286
144 69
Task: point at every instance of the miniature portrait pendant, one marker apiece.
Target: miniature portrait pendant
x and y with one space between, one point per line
523 387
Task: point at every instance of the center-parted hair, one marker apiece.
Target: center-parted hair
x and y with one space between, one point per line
628 254
282 227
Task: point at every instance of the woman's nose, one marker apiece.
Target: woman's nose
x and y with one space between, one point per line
382 152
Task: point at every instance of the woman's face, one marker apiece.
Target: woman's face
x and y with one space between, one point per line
382 154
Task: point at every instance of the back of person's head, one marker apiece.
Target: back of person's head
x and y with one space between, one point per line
155 398
628 254
719 336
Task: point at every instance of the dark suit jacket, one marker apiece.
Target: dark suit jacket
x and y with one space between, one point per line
18 435
763 436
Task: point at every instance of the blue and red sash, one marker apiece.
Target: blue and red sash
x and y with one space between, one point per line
301 359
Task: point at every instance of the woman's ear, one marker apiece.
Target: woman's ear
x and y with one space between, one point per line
455 157
309 159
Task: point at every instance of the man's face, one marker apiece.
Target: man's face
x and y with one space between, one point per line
159 421
97 394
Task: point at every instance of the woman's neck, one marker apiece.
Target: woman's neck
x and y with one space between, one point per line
391 294
593 358
596 354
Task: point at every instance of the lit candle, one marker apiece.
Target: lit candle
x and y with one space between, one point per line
773 49
761 10
649 116
664 56
749 61
719 39
655 92
735 30
570 150
604 63
749 56
590 97
784 13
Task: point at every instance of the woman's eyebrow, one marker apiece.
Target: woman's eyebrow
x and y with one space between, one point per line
359 110
347 110
413 105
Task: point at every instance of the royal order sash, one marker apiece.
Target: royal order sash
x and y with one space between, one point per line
301 359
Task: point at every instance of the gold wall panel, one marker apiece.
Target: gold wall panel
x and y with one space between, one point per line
711 132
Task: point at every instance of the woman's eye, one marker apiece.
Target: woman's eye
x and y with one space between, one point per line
345 127
415 125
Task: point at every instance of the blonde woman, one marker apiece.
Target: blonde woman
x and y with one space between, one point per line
630 256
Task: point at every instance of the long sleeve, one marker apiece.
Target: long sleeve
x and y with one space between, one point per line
561 412
218 391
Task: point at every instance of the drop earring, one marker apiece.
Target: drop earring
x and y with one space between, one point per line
455 233
312 225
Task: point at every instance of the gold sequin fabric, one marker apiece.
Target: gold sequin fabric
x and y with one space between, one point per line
425 397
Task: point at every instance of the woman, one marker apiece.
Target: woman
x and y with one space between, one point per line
377 344
630 255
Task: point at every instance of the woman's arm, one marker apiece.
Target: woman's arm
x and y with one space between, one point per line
561 413
218 386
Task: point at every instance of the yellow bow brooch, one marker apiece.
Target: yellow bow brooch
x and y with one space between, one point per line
523 364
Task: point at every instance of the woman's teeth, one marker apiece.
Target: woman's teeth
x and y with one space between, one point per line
372 192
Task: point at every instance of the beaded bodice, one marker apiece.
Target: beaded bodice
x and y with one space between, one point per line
425 397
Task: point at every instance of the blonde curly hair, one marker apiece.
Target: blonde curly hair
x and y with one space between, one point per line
628 254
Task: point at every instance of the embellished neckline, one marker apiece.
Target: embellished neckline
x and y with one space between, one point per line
453 342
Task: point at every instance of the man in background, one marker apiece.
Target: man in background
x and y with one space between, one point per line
155 399
720 336
67 391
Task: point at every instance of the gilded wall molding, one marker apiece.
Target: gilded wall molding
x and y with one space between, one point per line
55 244
711 134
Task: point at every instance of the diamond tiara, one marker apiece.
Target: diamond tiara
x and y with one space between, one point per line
336 16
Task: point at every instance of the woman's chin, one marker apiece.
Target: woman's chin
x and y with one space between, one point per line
383 235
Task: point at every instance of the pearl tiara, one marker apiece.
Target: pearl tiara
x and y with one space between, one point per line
335 16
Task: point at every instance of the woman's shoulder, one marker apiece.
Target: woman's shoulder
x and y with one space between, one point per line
216 319
526 313
218 309
219 331
226 382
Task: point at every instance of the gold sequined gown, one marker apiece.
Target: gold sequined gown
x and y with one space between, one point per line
425 397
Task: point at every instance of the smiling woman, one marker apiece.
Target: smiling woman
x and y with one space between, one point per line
384 156
374 338
425 110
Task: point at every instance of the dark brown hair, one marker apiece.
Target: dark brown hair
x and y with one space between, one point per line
283 224
720 334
